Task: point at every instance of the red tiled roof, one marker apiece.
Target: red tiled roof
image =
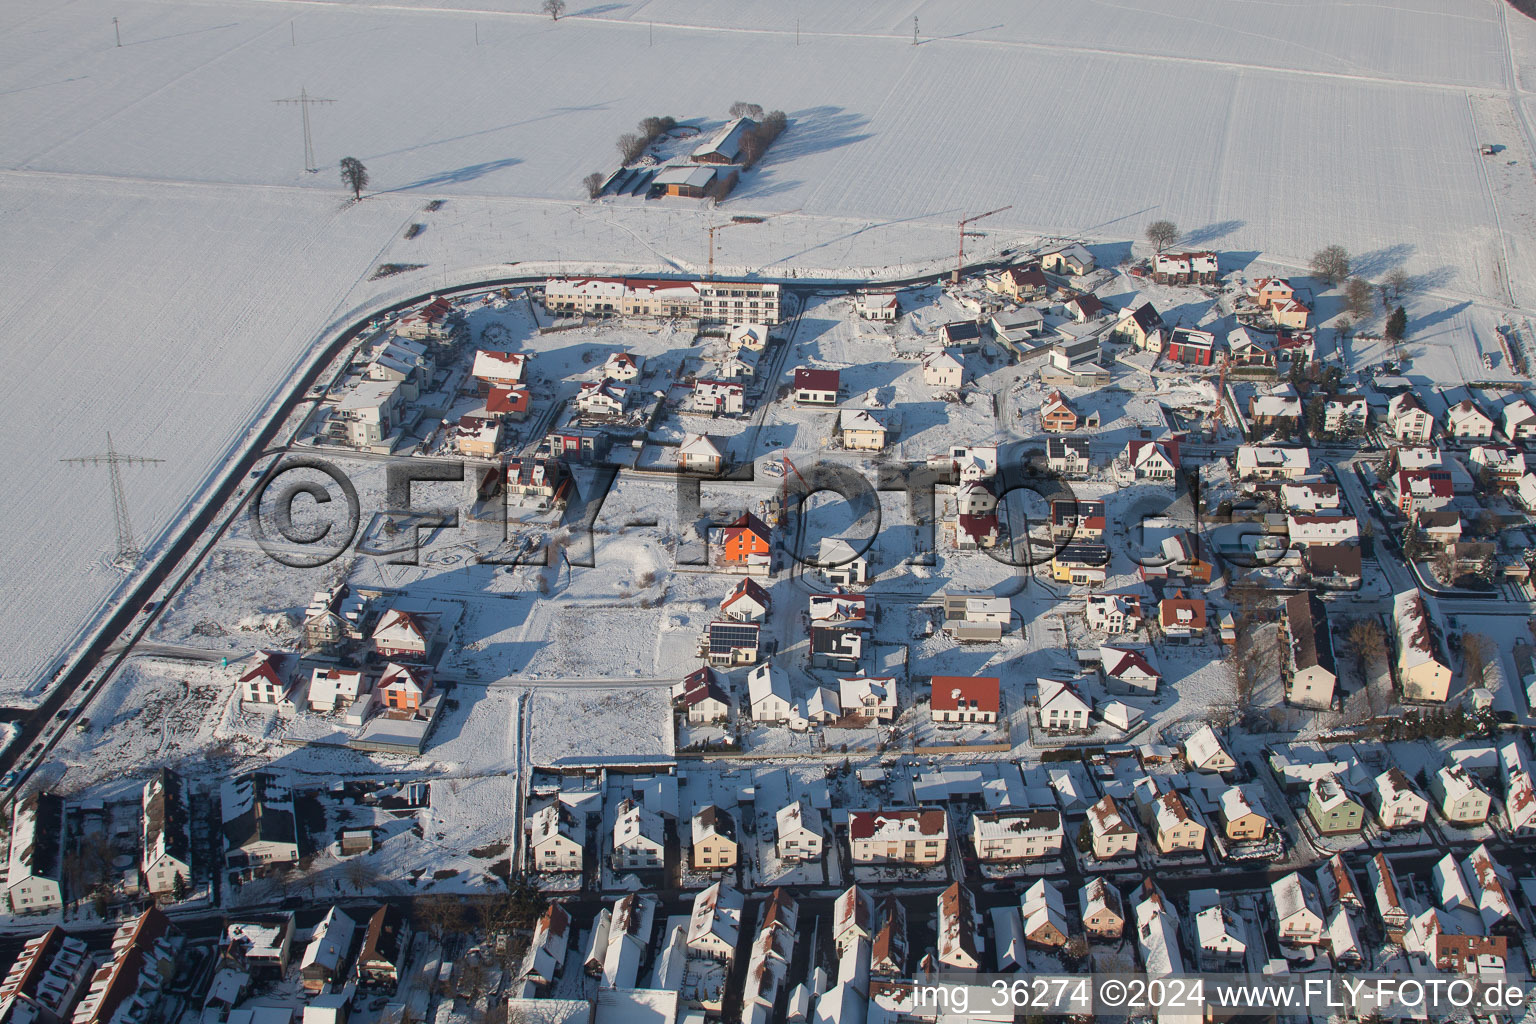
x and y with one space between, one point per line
972 693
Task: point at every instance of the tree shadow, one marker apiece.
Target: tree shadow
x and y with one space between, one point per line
1370 264
462 174
1437 278
592 12
1417 325
553 112
815 131
1210 233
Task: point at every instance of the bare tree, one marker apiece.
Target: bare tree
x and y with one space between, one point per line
354 175
1475 651
553 8
1162 234
1398 281
1331 263
1445 567
744 109
594 184
440 916
360 873
1343 325
1369 642
1359 299
631 146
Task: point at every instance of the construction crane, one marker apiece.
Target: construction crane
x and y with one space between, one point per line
960 260
733 222
127 549
788 468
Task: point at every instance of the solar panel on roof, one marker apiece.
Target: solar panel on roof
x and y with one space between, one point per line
727 636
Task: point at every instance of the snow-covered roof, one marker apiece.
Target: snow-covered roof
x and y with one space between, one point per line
1202 748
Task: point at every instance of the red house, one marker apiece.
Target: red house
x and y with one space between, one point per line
1190 346
965 698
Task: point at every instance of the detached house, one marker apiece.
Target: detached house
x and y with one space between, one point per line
714 843
1021 284
1044 914
958 947
602 399
166 862
1128 671
877 305
403 687
1408 419
1298 910
1518 420
1070 259
916 835
1186 345
1242 815
868 697
716 398
1153 460
1203 752
1307 655
1012 835
1113 613
1111 832
1465 421
715 925
498 369
700 453
1421 674
840 626
749 602
1142 326
861 431
259 825
1177 830
703 698
268 679
556 839
1103 909
639 839
768 694
1332 810
746 543
1395 802
1062 708
1387 893
1069 457
799 833
404 636
1460 799
1181 618
816 387
1057 416
942 370
965 698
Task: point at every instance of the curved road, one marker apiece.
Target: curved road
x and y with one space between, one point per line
125 628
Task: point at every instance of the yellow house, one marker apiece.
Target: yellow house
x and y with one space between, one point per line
1241 821
1177 830
714 840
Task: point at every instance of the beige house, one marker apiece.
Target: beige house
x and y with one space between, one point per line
556 838
861 431
942 370
907 835
1112 834
1103 909
1177 830
700 453
1009 835
1421 674
714 840
1242 816
1396 803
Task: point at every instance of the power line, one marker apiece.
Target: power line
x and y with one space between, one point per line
127 550
304 99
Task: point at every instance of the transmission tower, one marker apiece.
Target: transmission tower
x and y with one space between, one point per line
304 99
127 549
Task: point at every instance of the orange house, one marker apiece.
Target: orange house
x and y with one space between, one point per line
402 688
746 541
1056 415
1270 291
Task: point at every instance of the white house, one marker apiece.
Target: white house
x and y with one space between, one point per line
602 398
1128 670
877 305
1518 420
717 398
1395 802
768 696
1015 834
332 689
715 925
1345 414
556 837
839 564
1272 462
1204 752
752 337
622 367
35 874
1408 419
1113 613
869 697
799 835
1062 708
1465 420
1112 833
639 838
167 846
700 453
942 370
1217 931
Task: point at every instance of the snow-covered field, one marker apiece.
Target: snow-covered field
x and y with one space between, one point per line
169 264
